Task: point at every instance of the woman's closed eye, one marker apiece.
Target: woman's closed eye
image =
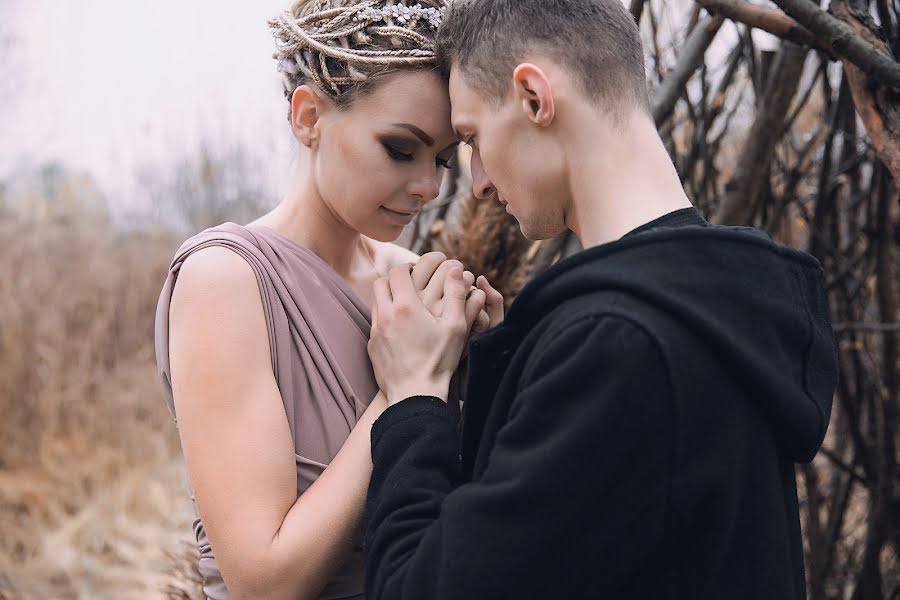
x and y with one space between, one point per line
399 155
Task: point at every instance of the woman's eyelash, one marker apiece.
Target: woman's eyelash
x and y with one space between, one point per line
396 154
404 157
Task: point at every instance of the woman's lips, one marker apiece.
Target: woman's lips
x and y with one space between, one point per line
403 216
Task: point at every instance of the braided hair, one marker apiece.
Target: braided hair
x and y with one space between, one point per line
343 46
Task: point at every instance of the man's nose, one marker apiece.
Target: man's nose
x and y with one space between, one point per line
482 186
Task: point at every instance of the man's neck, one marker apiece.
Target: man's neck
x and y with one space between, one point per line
620 178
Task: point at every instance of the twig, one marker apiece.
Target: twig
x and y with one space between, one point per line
870 59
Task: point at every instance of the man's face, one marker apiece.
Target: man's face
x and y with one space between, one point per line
512 157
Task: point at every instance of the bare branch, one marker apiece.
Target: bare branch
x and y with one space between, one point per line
664 97
743 190
637 9
768 19
875 104
870 59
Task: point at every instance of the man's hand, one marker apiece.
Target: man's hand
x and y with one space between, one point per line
413 351
493 307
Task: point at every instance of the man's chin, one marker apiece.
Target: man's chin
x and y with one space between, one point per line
535 233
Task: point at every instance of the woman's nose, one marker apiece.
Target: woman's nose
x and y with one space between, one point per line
427 187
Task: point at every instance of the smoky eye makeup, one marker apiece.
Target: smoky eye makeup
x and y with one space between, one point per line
402 150
398 149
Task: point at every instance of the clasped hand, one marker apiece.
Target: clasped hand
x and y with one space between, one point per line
422 317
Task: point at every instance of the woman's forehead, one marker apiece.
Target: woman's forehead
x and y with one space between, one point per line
417 98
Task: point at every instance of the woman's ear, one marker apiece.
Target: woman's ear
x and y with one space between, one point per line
533 89
306 109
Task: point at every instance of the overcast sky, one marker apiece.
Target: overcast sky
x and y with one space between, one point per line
101 84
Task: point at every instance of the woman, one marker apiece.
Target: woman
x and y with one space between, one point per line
262 344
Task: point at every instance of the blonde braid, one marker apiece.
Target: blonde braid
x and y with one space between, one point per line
337 46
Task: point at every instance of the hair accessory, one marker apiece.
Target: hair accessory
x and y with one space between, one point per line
403 14
337 47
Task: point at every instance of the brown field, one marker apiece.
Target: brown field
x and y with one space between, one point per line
93 500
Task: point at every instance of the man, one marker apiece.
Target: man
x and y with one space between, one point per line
631 429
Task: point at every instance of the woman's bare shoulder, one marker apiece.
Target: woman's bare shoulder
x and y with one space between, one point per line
217 298
213 270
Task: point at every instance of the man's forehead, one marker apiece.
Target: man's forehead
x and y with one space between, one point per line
463 100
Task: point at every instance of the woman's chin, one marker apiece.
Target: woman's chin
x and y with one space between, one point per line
388 233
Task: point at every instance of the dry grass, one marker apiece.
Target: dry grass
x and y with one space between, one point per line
489 242
93 500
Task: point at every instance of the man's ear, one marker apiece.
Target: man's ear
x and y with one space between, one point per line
534 91
307 107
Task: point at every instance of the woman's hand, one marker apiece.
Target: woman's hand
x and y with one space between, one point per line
429 275
414 352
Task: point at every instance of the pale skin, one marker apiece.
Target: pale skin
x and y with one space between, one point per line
349 198
556 161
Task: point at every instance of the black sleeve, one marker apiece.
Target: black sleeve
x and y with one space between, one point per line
573 498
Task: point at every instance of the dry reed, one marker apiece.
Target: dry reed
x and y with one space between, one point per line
93 500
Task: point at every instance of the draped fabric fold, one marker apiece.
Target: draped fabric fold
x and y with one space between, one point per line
318 329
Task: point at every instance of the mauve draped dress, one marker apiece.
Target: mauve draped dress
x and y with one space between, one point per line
318 330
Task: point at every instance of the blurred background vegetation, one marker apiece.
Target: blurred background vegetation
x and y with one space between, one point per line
782 115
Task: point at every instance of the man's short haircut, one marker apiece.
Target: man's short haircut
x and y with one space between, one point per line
596 40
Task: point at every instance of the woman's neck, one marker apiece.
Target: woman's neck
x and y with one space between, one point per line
303 216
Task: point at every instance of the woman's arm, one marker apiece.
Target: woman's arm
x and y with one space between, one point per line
238 446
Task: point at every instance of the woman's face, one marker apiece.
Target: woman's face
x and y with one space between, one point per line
378 162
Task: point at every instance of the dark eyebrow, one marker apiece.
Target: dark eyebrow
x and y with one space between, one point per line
426 139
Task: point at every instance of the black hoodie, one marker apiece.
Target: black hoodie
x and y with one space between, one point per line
630 431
